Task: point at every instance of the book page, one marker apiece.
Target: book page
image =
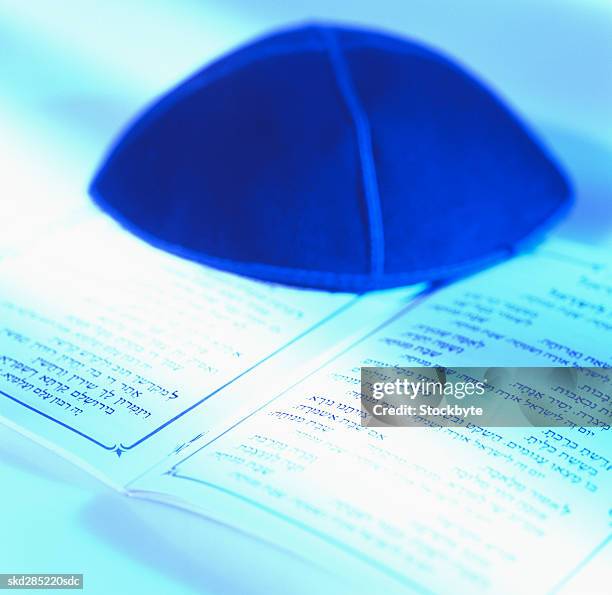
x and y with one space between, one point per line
469 510
108 347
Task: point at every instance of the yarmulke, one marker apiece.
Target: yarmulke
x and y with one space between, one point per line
333 158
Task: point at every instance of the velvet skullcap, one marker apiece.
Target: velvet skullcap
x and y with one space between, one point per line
332 158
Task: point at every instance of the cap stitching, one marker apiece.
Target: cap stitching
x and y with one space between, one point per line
364 144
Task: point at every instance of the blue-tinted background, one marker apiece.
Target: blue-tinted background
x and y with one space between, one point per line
73 72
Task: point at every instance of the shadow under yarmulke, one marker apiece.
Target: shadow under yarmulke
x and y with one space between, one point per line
333 158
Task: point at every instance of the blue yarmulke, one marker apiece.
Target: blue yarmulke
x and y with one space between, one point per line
333 158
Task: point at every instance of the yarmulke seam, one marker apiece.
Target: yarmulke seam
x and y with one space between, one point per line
364 144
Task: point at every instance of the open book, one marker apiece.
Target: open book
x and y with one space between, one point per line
240 400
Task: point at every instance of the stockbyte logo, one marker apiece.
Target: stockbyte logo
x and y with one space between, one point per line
486 397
